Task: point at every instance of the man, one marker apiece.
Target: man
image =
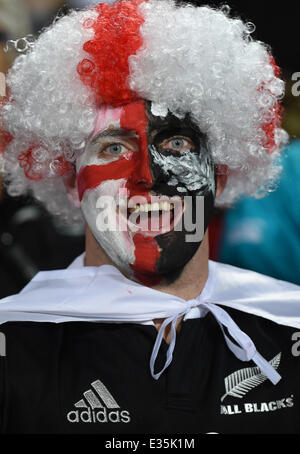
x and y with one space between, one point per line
144 115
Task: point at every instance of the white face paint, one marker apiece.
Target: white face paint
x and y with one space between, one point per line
107 118
117 244
188 170
100 205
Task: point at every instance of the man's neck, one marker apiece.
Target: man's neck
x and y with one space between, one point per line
188 286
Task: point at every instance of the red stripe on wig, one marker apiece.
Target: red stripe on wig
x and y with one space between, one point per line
277 112
116 37
57 167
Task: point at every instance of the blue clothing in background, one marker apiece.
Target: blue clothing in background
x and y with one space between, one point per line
264 235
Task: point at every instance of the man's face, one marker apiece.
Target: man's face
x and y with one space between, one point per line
146 183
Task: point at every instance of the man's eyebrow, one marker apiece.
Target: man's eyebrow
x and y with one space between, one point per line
113 132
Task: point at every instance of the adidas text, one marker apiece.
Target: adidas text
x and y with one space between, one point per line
99 416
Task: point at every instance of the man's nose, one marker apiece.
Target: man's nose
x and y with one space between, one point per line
143 174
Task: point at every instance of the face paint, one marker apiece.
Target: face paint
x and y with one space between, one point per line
189 173
137 157
122 176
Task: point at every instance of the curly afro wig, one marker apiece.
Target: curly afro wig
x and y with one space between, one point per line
183 58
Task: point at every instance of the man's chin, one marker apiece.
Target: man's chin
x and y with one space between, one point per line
152 279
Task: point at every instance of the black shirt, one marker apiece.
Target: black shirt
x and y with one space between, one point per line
95 378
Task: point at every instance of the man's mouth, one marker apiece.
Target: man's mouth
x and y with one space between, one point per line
154 218
152 207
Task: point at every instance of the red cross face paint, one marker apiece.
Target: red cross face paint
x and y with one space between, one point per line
139 179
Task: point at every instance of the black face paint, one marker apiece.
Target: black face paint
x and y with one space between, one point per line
187 174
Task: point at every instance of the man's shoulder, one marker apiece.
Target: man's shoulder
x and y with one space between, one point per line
43 277
254 293
249 276
236 281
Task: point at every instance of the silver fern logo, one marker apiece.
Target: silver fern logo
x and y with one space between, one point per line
242 381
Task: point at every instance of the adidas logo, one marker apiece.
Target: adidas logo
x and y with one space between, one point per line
98 406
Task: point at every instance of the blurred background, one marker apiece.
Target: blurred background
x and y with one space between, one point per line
262 235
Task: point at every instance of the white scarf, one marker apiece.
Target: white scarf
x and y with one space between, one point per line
103 294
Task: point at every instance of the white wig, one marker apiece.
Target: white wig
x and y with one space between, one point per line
182 58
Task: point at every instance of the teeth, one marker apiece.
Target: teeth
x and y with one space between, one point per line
146 207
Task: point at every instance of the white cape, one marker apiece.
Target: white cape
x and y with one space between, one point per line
103 294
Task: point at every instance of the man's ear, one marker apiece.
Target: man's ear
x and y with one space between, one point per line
222 174
70 182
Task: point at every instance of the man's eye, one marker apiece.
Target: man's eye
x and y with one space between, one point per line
177 144
108 149
115 149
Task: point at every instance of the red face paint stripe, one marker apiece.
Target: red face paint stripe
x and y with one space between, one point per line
92 176
146 257
134 118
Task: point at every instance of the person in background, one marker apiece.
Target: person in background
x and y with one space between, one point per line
263 235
